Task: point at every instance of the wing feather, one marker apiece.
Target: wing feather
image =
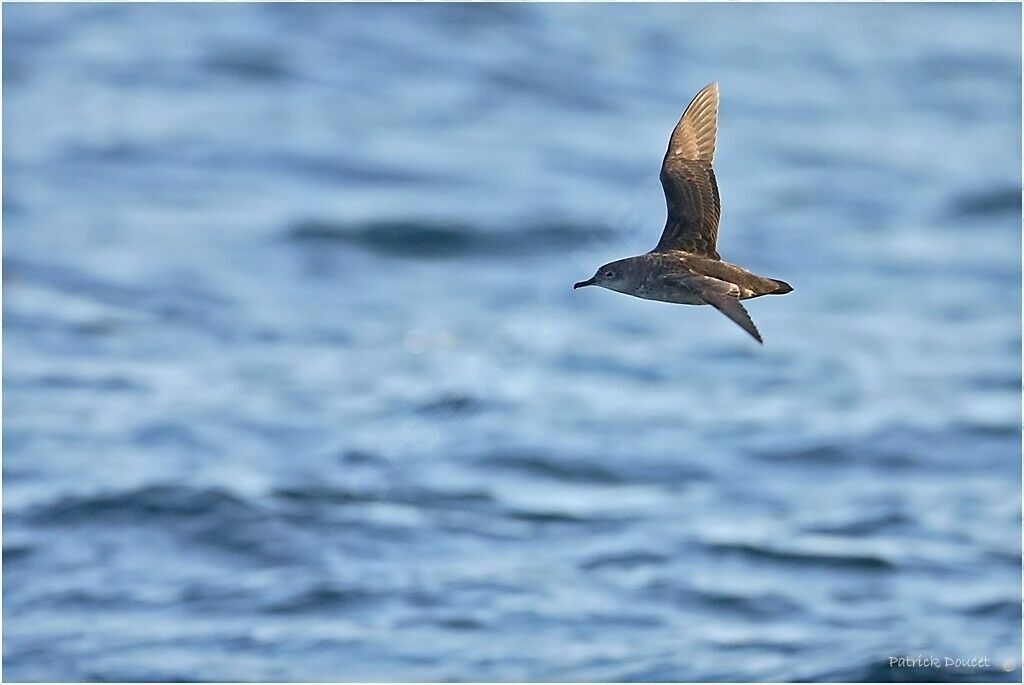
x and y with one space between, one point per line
691 192
723 296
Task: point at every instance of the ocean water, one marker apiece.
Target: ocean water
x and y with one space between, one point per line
295 385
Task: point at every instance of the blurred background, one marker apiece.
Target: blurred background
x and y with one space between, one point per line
296 386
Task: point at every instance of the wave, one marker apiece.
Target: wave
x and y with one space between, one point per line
588 470
566 470
453 405
759 553
325 599
152 502
15 553
419 497
624 560
212 519
987 203
903 448
863 527
435 240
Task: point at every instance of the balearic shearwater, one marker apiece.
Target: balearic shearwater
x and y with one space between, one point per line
684 267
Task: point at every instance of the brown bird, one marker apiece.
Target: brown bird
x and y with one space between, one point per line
684 267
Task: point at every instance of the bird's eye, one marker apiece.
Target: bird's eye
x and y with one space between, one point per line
609 274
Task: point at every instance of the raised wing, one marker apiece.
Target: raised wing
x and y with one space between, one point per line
691 192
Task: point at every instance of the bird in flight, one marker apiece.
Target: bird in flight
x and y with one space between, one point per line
684 267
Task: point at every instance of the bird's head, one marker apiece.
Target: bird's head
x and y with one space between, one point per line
613 275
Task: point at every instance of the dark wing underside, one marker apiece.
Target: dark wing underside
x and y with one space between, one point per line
689 182
724 297
731 307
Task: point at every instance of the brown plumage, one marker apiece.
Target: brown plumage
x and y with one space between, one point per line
685 267
691 192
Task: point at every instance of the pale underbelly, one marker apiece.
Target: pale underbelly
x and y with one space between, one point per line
680 295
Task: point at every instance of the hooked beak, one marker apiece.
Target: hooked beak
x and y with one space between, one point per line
581 284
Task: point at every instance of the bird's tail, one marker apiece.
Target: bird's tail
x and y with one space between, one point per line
782 289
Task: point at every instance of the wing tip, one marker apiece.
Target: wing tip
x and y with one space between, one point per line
709 90
753 330
695 136
754 333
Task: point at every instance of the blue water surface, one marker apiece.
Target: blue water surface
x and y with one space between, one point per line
296 386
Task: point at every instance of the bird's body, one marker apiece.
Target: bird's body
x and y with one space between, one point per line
658 276
685 268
